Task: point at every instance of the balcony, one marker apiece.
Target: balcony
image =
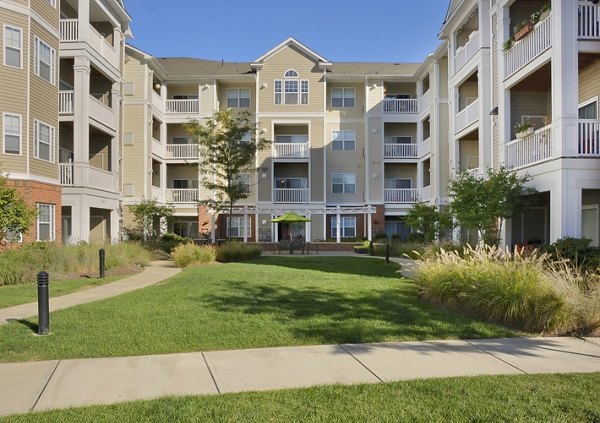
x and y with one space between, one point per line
529 47
588 21
589 138
424 147
392 150
290 195
86 176
101 112
531 149
158 194
401 195
290 150
157 148
466 117
466 52
65 102
188 195
400 105
157 101
425 101
182 151
183 107
69 32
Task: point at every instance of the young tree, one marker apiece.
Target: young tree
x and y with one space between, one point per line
484 202
146 212
15 215
228 148
428 220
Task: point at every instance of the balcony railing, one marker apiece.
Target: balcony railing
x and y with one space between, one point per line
69 29
425 101
189 195
158 194
424 147
101 112
466 52
182 151
69 32
588 21
399 151
401 196
290 195
290 150
66 174
157 147
589 138
528 48
400 105
425 193
84 175
466 116
156 101
65 102
183 107
531 149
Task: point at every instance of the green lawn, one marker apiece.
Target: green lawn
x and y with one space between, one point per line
524 398
12 295
273 301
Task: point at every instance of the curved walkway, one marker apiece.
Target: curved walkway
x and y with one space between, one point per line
157 271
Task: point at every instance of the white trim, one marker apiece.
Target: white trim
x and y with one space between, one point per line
51 141
12 27
291 41
4 115
343 183
343 106
343 132
36 60
333 231
51 222
238 97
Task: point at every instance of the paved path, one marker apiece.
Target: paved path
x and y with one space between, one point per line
66 383
154 273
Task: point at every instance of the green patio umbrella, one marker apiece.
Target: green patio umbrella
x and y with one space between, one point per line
290 217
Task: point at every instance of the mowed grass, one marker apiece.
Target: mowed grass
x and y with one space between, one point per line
12 295
523 398
273 301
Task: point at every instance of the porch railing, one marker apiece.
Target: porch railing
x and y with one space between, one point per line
401 196
182 106
467 51
400 105
528 48
69 29
588 21
65 102
466 116
189 195
589 138
531 149
182 151
399 151
290 195
66 174
290 150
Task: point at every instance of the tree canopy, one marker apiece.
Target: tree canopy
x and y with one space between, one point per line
15 215
429 221
146 212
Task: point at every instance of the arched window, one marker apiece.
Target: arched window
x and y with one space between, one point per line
291 90
290 73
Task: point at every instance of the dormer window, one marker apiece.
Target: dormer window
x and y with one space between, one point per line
291 90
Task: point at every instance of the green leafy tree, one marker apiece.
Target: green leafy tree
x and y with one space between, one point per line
428 220
228 149
146 212
15 215
484 202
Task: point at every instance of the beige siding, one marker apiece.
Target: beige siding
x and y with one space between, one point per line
356 112
222 95
589 82
181 171
374 96
529 104
134 156
317 157
401 129
316 226
49 13
444 152
466 92
207 97
375 148
135 72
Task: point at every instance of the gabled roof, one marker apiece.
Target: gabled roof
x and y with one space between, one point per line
290 41
374 69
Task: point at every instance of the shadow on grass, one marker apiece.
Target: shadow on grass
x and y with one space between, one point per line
373 267
33 326
369 315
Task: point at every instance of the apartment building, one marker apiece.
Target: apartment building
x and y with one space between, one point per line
354 145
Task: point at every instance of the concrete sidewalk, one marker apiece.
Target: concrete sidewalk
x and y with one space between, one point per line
67 383
154 273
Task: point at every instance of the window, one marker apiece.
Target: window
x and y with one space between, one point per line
291 139
347 227
44 60
343 97
291 73
277 99
398 183
238 97
291 183
235 227
398 140
295 91
45 222
13 236
589 109
343 183
185 184
244 180
247 137
343 140
12 46
12 134
291 92
304 92
44 141
52 3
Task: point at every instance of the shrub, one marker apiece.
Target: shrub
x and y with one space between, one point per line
21 265
401 249
185 255
578 251
235 251
168 241
523 291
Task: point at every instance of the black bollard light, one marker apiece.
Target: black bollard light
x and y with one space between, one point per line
43 303
371 248
387 253
102 254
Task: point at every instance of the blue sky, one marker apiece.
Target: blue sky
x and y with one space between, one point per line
242 30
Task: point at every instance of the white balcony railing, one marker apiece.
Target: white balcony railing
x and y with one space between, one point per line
467 51
290 195
400 105
183 107
101 112
588 21
66 174
425 193
65 102
424 147
466 116
424 101
290 150
401 196
531 149
189 195
157 148
529 47
399 151
182 151
157 101
589 138
158 194
69 29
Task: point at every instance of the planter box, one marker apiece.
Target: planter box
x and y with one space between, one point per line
525 133
524 31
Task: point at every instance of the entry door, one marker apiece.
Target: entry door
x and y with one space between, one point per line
97 229
589 223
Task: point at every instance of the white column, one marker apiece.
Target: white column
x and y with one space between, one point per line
83 18
213 237
485 106
338 238
256 227
324 225
81 127
369 224
419 181
565 208
115 151
245 225
115 226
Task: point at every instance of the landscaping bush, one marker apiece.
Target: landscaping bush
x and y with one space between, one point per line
401 249
21 265
578 251
528 292
235 251
168 241
185 255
